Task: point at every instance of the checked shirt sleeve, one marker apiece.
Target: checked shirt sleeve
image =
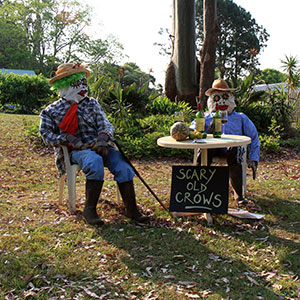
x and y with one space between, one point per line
49 130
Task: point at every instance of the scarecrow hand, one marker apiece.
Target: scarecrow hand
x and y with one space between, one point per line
101 145
73 141
253 165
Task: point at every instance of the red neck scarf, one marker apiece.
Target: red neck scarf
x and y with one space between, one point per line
70 122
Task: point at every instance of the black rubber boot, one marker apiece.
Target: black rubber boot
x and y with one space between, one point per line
92 193
128 196
236 178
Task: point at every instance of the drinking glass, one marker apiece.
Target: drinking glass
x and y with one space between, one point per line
224 119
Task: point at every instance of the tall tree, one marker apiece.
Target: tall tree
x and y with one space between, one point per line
208 50
181 73
240 39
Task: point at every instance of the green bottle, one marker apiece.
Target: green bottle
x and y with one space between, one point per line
217 123
200 119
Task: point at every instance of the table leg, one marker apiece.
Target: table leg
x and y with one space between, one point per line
204 157
207 216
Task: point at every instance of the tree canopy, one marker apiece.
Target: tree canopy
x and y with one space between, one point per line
240 38
48 32
270 76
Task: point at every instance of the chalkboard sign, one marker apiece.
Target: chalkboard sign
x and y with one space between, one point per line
199 189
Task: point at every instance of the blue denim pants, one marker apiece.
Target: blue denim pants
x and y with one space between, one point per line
92 164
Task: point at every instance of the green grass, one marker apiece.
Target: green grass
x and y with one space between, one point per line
46 253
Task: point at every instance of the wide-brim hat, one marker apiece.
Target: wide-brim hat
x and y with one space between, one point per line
219 85
68 69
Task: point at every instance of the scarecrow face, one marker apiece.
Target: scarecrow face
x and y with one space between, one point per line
225 101
80 86
77 91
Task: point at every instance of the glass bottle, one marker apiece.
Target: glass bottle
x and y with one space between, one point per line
200 119
217 123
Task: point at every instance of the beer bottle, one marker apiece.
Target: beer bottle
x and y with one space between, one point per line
217 123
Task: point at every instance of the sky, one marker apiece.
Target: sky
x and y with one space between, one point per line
136 23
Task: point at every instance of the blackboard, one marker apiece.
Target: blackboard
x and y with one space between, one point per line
199 189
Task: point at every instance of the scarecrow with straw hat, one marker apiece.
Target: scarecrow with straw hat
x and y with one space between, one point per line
220 96
78 121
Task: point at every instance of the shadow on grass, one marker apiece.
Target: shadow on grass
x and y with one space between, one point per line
186 263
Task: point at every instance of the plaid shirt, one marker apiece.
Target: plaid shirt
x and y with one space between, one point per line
91 122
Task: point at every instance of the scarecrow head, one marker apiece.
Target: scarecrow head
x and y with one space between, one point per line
71 81
221 95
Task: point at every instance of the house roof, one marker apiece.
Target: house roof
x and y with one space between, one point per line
276 86
18 71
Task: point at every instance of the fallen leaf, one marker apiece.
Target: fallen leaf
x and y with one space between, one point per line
91 294
192 296
252 280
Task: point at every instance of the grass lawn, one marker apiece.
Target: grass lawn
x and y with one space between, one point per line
47 253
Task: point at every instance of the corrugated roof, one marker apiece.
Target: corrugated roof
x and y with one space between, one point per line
18 71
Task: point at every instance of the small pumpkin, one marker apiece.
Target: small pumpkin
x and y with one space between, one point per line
179 131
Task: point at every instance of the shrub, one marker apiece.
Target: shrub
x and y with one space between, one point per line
163 105
271 142
26 92
117 98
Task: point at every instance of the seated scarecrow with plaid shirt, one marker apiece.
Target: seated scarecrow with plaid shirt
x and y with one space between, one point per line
79 122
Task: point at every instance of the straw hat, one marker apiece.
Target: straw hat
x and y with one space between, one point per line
219 85
65 70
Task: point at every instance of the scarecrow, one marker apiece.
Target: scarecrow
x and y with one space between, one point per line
238 123
78 121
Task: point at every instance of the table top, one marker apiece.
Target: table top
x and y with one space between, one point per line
210 142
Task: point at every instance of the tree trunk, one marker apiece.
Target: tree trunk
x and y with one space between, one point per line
208 50
181 79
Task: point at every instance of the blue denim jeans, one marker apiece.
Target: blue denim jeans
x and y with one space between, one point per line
92 164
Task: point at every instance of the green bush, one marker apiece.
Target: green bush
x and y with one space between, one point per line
140 139
131 98
23 91
164 106
291 142
271 142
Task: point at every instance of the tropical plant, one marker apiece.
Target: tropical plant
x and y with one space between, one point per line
291 66
280 108
251 102
163 105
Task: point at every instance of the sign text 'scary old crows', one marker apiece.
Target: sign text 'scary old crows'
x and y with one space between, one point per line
199 189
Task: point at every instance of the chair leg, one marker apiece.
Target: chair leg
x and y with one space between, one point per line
61 189
71 179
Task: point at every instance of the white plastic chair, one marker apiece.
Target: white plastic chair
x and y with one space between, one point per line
71 172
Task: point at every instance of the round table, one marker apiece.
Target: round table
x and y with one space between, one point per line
227 140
